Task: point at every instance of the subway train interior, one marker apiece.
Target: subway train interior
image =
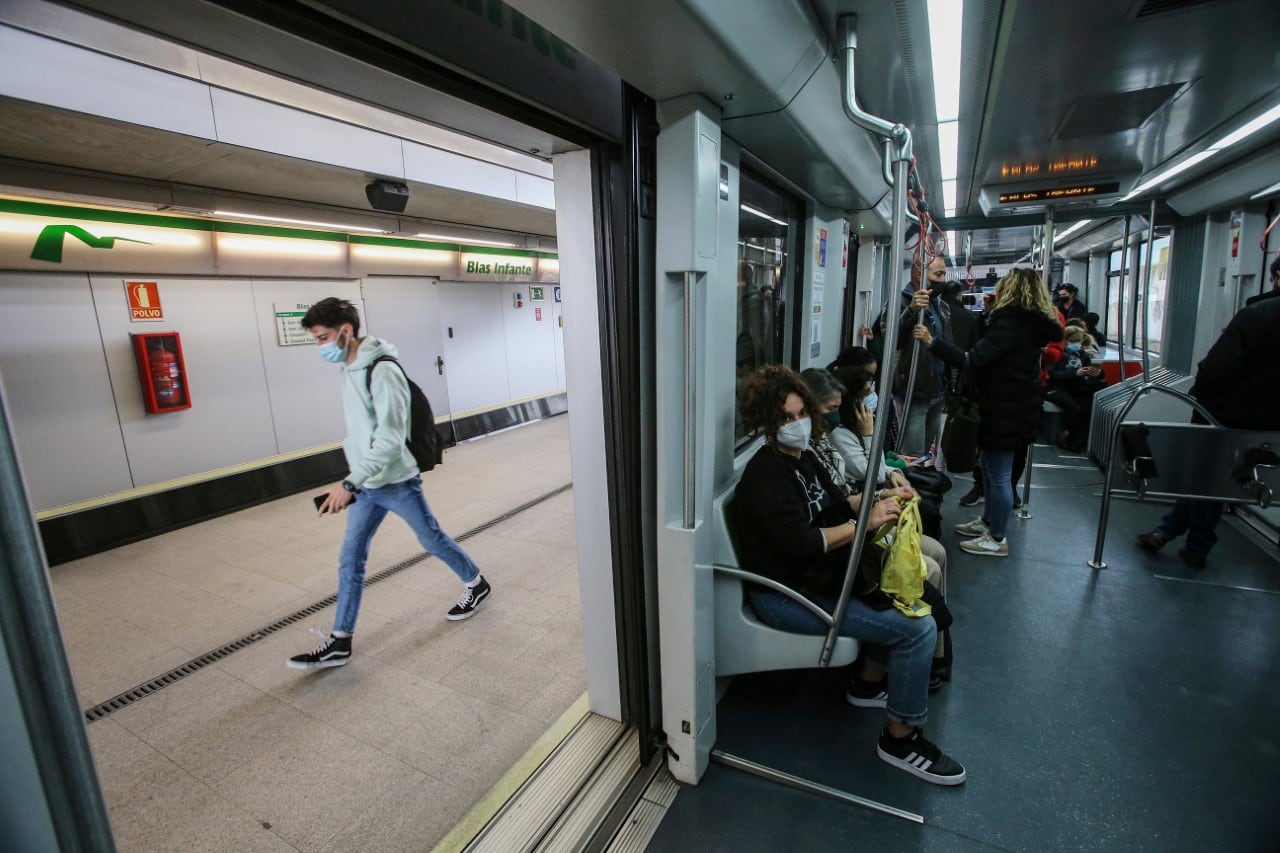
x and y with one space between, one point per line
587 227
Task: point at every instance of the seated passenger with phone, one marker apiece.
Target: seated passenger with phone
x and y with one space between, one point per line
797 528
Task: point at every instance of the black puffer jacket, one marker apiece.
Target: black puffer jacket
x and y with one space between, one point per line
1238 378
1004 372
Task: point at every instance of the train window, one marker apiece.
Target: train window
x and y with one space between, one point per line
1156 301
768 277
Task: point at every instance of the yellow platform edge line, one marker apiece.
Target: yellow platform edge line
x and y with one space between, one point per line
483 811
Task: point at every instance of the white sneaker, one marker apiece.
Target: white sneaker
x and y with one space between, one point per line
977 527
985 546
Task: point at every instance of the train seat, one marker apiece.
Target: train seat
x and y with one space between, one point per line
744 643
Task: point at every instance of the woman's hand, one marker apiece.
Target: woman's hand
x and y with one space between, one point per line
885 511
867 332
866 420
904 492
921 333
897 478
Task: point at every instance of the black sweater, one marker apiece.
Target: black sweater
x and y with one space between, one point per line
779 504
1004 375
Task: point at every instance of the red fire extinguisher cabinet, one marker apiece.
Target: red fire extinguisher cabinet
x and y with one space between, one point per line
162 372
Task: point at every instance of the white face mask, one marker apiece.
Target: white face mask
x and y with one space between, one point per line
871 400
795 434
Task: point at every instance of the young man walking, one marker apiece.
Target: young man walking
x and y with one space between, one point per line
383 474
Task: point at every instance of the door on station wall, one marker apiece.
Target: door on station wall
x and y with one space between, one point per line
475 349
406 311
557 312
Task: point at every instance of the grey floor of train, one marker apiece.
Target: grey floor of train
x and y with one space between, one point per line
1132 708
385 753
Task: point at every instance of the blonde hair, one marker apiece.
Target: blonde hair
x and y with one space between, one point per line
1022 288
1073 334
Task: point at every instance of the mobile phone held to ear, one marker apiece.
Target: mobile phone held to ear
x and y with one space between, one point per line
320 499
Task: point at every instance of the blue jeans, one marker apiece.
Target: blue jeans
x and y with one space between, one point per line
363 517
924 421
997 467
1197 519
909 641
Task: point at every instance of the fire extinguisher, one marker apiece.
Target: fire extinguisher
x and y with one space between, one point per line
164 377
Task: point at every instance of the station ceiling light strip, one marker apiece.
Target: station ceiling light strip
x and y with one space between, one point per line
230 214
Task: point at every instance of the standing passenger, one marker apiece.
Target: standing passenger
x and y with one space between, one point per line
1236 382
1004 368
924 304
383 474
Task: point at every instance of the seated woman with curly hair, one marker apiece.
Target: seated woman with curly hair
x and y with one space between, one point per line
796 527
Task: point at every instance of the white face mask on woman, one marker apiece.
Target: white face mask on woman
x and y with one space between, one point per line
795 434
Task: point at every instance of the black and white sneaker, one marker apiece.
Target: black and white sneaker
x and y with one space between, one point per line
920 757
867 694
972 497
469 601
335 651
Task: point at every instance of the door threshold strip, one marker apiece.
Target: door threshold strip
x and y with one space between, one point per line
1219 585
128 697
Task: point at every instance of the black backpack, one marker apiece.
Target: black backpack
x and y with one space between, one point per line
422 437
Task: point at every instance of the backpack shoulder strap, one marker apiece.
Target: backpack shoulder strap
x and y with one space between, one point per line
368 374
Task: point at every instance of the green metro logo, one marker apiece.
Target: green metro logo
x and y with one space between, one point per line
48 245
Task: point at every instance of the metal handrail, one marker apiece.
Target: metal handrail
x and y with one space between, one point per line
761 580
899 134
1124 269
1143 390
690 404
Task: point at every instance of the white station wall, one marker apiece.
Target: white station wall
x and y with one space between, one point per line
72 391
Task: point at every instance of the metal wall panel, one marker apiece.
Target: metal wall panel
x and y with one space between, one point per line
305 391
57 390
229 422
475 360
531 347
1185 272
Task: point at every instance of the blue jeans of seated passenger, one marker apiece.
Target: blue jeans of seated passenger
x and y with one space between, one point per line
997 467
1197 519
909 641
363 518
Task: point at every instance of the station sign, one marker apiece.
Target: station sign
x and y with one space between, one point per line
505 266
289 331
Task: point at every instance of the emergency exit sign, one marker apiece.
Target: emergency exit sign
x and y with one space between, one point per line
144 301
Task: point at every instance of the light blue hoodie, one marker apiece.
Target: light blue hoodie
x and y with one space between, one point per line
376 424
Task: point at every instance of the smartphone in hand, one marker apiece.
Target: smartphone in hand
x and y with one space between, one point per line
320 499
921 460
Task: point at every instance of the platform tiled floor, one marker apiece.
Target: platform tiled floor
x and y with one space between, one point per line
386 753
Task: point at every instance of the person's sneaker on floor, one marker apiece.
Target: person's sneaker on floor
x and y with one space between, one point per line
1191 558
1152 540
335 651
986 546
867 694
977 527
469 601
920 757
972 497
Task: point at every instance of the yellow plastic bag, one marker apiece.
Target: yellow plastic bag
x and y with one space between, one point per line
902 576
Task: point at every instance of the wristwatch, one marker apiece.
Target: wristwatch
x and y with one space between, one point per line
348 485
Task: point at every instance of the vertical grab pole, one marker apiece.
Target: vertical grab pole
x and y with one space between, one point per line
690 402
1146 293
876 450
1124 269
1024 512
901 160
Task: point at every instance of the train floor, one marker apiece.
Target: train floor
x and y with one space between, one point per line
385 753
1133 708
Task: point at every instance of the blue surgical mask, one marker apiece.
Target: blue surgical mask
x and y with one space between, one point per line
333 352
871 401
795 434
1073 347
832 419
